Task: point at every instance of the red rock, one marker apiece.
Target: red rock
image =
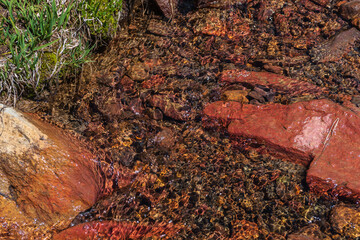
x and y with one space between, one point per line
52 175
175 110
320 129
336 170
292 131
153 82
279 83
168 7
116 230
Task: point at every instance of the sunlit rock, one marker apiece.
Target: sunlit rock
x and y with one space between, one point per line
318 131
46 176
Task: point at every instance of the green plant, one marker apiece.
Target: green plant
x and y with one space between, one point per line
32 32
101 16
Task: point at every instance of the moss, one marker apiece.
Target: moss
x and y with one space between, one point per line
101 16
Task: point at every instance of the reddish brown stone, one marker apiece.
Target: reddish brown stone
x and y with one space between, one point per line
116 230
178 111
310 232
153 82
334 49
350 9
279 83
318 129
166 138
322 2
220 4
168 7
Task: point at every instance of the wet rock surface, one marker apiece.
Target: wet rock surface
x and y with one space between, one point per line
318 131
311 232
142 101
116 230
278 83
47 177
346 220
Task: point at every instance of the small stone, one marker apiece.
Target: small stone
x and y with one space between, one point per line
153 82
176 110
257 96
168 7
350 9
166 138
136 106
236 95
158 27
310 232
138 72
346 221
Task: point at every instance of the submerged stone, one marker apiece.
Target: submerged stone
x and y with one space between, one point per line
309 232
279 83
116 230
334 49
168 7
46 176
346 221
318 130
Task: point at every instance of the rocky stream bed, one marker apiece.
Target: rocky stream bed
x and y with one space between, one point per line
236 119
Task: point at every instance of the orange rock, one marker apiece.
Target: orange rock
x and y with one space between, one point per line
47 176
346 221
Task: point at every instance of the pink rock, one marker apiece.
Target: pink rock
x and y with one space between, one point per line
320 129
279 83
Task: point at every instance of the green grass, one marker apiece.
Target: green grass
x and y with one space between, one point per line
101 17
44 37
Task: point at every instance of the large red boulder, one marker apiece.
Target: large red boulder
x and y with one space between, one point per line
47 176
318 130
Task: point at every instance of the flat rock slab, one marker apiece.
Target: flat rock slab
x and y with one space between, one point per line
279 83
47 176
317 131
117 230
